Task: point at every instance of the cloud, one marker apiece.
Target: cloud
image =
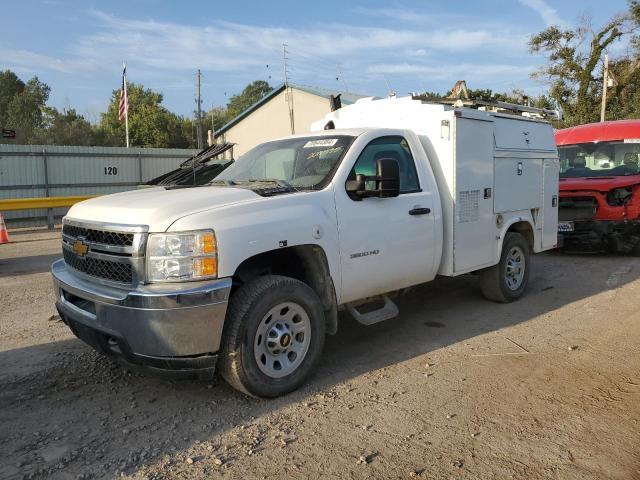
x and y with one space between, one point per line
229 47
164 54
408 16
452 70
548 14
32 61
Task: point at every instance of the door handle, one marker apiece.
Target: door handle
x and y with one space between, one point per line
419 211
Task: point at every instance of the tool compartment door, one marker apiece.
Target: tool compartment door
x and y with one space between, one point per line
550 200
474 227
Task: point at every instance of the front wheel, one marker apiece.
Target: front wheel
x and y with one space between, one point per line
507 281
273 336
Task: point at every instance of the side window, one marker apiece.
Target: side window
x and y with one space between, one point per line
396 148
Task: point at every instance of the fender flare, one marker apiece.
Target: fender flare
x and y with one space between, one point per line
507 226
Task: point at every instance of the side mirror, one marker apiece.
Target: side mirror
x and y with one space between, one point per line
387 181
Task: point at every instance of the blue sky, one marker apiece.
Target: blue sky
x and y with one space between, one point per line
77 47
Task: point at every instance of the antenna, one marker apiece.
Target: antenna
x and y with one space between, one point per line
288 93
285 59
341 77
199 110
386 80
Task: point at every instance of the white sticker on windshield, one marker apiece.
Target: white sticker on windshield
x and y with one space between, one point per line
632 140
323 142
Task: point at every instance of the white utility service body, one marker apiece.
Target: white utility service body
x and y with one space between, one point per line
283 252
469 151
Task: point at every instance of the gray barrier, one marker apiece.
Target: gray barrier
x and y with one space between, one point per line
28 171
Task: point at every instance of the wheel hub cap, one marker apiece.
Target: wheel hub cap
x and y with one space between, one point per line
515 268
282 339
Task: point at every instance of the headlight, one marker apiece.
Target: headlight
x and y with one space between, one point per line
174 257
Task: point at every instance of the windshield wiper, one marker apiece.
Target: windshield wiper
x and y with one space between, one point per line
281 183
267 186
277 181
227 183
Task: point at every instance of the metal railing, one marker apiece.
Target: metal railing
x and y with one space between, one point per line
42 202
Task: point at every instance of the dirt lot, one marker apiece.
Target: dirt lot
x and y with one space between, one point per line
456 387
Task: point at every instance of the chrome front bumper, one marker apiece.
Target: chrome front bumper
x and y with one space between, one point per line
172 326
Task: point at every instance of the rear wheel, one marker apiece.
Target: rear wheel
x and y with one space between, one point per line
273 336
507 281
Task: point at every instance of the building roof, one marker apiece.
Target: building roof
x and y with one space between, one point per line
346 98
599 132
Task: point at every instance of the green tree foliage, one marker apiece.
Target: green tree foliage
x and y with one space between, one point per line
218 116
518 97
23 108
66 128
150 124
250 95
24 111
10 86
574 59
624 96
515 96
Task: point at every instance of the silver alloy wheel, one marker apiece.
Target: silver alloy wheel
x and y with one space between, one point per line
282 340
514 269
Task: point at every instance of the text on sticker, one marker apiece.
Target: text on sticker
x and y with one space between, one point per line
324 142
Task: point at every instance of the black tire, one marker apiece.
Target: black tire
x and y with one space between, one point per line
493 280
247 308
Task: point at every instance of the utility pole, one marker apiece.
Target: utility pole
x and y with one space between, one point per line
211 135
199 110
605 85
287 90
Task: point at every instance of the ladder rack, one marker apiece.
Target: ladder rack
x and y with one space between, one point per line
493 106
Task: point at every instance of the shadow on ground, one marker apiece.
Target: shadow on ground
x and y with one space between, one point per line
63 407
13 267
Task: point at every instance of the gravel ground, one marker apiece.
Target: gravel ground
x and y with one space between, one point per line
456 387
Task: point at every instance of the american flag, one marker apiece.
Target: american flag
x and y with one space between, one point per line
123 106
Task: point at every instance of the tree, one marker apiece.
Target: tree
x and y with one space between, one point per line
150 124
10 86
250 95
66 128
219 116
573 61
25 110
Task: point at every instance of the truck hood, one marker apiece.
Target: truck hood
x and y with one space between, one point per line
603 184
158 207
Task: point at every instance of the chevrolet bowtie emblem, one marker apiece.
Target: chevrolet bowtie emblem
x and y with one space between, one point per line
80 248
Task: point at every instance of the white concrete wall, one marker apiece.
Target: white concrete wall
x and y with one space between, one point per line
271 120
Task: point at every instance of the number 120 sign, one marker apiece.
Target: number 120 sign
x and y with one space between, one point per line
110 170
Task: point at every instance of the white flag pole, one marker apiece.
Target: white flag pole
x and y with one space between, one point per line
126 106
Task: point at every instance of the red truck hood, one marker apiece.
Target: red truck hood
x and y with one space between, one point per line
601 184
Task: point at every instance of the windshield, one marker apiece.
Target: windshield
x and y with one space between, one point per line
303 162
599 159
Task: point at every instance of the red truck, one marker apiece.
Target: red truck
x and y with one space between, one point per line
599 208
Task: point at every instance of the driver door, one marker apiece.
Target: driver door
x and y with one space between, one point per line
385 243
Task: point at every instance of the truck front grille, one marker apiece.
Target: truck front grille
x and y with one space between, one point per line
577 208
113 271
99 236
105 252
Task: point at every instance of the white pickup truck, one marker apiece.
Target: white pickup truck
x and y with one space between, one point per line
248 273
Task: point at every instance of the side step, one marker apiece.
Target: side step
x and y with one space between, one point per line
387 311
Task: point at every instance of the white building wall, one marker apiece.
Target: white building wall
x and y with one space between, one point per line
271 120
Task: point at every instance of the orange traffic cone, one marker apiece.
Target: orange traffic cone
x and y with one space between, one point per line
4 235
